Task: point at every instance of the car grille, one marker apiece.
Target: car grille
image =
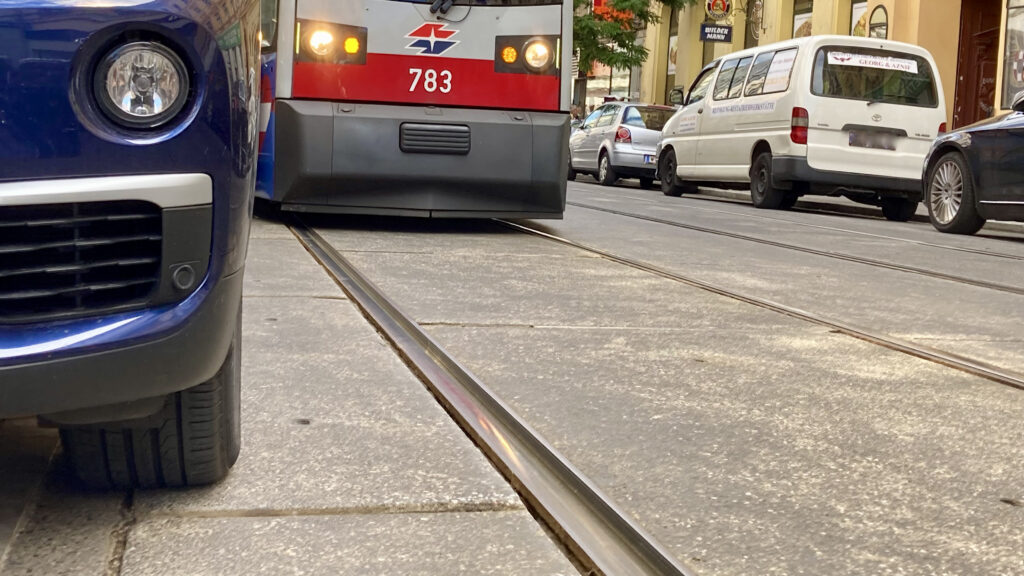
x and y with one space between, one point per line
66 260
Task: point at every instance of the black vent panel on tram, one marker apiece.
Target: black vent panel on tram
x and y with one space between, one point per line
65 260
434 139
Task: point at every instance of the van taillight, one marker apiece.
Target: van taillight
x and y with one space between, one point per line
623 135
942 129
798 131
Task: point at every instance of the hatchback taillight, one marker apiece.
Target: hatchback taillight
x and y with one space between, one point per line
798 127
942 129
623 135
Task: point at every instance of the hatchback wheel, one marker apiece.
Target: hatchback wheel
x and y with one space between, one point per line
950 196
605 174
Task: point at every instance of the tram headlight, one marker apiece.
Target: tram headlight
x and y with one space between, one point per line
538 55
321 42
141 84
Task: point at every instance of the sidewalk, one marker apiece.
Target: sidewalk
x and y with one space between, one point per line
844 206
348 465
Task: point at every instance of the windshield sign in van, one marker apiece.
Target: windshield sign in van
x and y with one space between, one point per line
832 115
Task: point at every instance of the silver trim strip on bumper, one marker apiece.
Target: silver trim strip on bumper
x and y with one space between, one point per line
164 190
1013 202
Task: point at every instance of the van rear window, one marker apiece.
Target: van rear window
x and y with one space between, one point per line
649 117
873 75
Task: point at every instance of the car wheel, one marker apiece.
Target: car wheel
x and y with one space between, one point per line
572 172
647 183
605 174
193 440
950 196
670 185
898 209
763 194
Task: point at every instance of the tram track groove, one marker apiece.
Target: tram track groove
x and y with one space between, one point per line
600 537
825 253
968 365
703 199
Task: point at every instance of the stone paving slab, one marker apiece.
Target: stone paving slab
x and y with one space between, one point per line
497 543
66 531
282 267
333 420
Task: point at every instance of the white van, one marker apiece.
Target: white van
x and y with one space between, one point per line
833 115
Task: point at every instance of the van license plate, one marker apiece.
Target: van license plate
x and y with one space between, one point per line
873 140
648 159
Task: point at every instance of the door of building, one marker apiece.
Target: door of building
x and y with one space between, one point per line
976 68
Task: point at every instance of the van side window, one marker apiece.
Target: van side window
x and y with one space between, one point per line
779 72
736 88
758 72
725 79
700 87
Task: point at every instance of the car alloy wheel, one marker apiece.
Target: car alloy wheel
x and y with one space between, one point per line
946 192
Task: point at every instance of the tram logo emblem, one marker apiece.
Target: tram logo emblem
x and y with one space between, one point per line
432 39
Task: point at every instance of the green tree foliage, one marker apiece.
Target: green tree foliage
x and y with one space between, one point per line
609 37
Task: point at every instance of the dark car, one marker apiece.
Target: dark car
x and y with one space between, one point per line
127 146
976 174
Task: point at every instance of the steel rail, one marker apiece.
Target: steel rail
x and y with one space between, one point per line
826 253
711 199
968 365
602 538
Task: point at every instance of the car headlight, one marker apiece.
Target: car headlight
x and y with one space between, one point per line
538 55
141 84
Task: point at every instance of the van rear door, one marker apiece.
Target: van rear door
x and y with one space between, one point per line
875 111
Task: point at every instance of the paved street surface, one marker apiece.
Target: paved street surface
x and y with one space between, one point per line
744 440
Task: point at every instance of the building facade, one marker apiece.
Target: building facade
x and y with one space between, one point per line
978 45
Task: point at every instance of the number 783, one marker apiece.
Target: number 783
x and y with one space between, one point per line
430 80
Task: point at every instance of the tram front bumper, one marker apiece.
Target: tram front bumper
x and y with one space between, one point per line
419 161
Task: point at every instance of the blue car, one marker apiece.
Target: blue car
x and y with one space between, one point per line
976 173
128 133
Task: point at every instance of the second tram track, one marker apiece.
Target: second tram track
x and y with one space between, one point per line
975 367
597 534
824 253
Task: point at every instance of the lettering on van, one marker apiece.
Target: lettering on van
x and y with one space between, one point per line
868 61
743 108
687 124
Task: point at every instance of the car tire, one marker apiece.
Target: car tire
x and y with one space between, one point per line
898 209
670 185
647 183
194 440
789 200
945 213
571 176
763 193
605 173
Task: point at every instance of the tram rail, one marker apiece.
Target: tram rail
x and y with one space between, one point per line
826 253
962 363
599 537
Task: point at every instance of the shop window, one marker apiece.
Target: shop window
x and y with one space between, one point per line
859 19
802 11
879 26
1013 63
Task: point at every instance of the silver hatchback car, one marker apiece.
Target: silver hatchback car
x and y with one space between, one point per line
618 140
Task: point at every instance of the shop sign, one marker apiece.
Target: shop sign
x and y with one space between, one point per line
718 9
715 33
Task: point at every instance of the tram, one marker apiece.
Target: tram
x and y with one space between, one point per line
433 108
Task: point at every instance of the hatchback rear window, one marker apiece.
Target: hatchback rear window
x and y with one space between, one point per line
873 75
648 117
